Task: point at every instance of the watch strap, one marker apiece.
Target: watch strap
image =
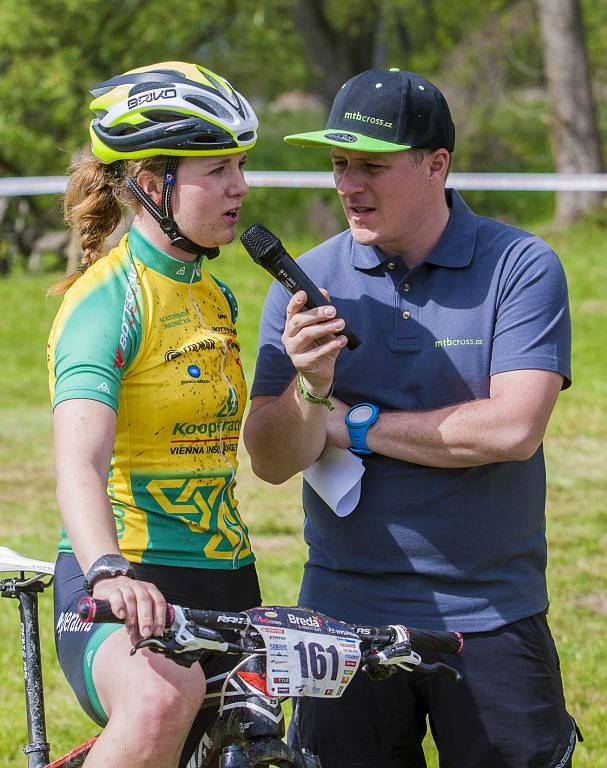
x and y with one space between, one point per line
358 432
107 566
307 395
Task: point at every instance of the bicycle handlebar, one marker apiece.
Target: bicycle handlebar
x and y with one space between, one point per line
440 642
93 611
99 611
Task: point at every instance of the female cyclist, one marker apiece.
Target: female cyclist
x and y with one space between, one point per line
148 395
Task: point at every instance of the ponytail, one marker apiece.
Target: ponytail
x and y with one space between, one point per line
91 205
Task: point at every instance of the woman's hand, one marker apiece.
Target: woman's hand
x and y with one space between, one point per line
139 603
310 341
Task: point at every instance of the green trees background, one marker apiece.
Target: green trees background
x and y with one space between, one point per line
485 54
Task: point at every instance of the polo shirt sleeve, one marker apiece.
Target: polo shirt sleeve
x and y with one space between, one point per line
274 370
533 324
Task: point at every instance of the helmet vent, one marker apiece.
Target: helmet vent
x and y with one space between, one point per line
122 130
210 106
158 116
206 138
172 72
247 136
141 87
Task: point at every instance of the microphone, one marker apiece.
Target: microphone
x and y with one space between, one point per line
266 250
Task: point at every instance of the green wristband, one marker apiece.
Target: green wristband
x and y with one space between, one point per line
307 395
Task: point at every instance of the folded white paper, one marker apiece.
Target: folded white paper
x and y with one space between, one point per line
336 479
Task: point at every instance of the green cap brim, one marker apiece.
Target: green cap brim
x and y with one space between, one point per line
356 141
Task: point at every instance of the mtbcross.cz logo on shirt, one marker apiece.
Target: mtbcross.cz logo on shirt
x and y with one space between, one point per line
447 342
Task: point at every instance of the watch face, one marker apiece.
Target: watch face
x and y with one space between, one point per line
360 414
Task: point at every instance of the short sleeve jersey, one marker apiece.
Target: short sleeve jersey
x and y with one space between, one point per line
154 338
462 548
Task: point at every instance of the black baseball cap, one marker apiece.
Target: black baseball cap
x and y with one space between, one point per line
385 110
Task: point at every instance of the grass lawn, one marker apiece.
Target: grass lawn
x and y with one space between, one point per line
576 458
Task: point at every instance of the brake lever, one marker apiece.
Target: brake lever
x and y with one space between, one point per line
167 646
441 669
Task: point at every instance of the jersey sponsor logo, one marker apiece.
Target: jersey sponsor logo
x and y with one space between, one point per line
129 308
176 318
224 329
194 373
103 387
149 97
180 271
118 359
195 346
208 428
207 506
213 437
230 407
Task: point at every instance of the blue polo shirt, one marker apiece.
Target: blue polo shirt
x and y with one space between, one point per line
461 549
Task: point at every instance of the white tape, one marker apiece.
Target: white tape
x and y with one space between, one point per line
514 182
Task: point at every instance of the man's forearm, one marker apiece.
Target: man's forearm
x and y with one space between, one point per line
463 435
285 435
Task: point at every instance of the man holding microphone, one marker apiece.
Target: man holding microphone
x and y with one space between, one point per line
465 332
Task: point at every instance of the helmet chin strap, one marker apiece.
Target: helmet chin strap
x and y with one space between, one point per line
164 214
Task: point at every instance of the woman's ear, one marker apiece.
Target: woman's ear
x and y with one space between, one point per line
151 185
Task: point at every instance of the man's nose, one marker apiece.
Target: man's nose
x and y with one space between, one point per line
349 182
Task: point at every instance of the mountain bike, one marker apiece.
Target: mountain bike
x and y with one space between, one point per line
278 652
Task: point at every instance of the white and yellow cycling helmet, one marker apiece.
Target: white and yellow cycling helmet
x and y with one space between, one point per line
174 109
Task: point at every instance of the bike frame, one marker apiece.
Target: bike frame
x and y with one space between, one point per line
26 591
247 730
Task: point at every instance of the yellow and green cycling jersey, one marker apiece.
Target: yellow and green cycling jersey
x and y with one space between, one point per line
155 339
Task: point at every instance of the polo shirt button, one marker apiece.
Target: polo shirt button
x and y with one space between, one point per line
406 287
406 314
391 265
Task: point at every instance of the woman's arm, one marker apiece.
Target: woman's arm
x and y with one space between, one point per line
84 439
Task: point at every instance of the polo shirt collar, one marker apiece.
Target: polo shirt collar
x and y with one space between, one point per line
159 261
454 250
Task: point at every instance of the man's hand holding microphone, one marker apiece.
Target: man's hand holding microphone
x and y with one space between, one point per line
313 338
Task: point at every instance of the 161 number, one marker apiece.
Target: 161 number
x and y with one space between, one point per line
313 659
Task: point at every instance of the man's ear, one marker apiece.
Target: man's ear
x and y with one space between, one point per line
440 160
151 185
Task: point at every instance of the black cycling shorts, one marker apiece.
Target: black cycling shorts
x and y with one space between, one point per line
77 643
508 712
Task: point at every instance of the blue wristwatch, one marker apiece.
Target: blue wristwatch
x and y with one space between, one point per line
359 419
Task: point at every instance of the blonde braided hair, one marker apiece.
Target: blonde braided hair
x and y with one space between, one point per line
92 205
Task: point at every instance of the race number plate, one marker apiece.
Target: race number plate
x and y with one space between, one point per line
308 654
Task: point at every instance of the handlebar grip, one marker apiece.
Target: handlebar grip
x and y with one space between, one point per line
93 611
441 642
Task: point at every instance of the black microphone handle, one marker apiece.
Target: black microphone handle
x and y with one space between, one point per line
295 279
